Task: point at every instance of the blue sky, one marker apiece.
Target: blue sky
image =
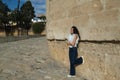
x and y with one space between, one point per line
39 5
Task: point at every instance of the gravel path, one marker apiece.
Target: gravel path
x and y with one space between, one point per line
30 60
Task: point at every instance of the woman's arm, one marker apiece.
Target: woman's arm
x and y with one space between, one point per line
73 42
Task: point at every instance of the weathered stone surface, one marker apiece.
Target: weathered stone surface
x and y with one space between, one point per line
60 9
62 53
91 7
111 4
95 22
107 18
98 22
112 67
96 61
56 29
81 21
75 11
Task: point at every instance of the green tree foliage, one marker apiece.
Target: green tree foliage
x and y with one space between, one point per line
38 27
13 16
4 13
27 13
43 18
20 16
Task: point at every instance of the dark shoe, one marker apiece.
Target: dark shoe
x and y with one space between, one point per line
82 59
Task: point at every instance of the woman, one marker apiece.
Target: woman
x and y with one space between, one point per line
73 41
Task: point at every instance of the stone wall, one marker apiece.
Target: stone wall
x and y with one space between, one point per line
98 22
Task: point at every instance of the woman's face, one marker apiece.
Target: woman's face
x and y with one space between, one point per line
71 31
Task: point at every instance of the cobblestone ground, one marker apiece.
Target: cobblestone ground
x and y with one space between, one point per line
30 60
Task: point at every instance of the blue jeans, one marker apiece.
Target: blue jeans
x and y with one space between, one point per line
74 60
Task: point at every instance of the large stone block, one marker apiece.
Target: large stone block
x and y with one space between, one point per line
81 21
59 51
60 10
111 4
94 58
112 67
59 29
91 7
88 7
97 58
107 18
80 2
100 26
101 33
67 4
98 22
75 11
106 25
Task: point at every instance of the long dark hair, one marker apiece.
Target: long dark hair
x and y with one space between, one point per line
75 31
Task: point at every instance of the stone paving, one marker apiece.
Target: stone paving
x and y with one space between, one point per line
30 60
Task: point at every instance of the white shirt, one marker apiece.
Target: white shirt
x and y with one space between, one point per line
71 38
